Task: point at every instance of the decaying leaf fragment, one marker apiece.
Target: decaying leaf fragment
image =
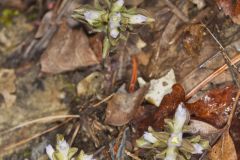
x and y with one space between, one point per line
159 88
122 107
231 8
214 106
90 85
7 87
68 50
153 116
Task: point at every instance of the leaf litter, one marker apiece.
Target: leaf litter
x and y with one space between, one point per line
59 70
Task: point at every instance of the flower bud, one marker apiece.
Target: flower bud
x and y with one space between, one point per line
92 16
139 19
149 137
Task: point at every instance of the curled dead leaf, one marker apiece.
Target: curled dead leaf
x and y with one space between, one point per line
122 107
68 50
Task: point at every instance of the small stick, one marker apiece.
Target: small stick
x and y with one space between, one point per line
104 100
211 77
132 155
24 141
75 134
233 109
49 118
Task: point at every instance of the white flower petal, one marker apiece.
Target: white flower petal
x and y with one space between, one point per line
50 151
198 148
63 147
149 137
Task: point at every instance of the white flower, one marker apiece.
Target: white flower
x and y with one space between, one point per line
149 137
180 118
198 148
91 16
114 23
138 19
50 151
175 139
63 147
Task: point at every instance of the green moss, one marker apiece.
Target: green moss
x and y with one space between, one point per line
7 15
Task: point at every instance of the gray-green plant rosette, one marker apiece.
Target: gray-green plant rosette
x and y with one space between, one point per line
171 144
112 18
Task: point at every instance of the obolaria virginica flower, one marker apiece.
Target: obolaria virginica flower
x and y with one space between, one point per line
112 18
65 152
172 144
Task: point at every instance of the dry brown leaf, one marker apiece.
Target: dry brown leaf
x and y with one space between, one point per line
231 8
123 106
201 127
224 149
193 39
68 50
153 116
214 106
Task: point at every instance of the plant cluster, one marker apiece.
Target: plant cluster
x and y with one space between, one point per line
172 144
112 18
65 152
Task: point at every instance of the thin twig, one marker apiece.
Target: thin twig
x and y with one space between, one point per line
220 70
132 155
233 109
104 100
232 68
75 134
40 120
24 141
